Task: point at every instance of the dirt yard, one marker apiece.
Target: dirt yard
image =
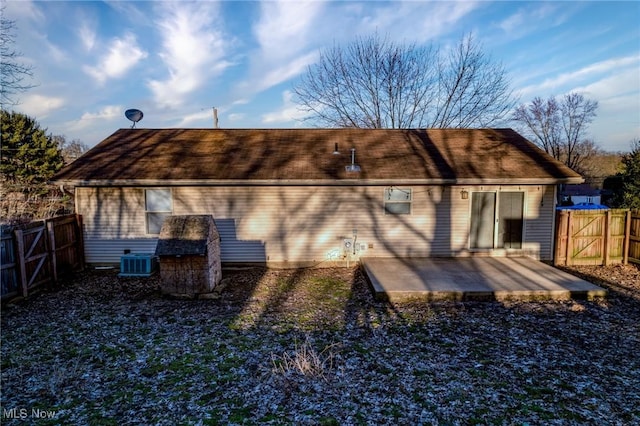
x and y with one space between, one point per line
312 347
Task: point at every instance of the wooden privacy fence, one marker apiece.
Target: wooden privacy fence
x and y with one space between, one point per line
39 253
634 237
597 237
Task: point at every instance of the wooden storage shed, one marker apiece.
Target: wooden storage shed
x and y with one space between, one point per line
189 252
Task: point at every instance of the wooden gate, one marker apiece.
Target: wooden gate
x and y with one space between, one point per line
37 254
592 237
33 249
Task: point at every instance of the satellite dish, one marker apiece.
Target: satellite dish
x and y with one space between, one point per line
133 115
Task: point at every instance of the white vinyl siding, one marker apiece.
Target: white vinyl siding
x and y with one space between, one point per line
308 224
109 251
539 224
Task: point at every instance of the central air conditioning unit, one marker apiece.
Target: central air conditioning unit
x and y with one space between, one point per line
138 265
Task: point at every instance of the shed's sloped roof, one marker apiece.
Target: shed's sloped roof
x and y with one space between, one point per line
181 156
186 235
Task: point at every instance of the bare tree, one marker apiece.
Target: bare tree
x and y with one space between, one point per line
375 83
541 119
71 151
577 113
12 72
559 127
473 91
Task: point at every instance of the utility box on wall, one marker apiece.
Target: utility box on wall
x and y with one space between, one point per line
189 252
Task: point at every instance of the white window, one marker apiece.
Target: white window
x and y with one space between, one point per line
397 200
158 206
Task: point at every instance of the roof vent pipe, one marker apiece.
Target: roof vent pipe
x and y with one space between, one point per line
353 167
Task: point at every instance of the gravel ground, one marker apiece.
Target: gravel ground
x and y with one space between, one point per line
312 347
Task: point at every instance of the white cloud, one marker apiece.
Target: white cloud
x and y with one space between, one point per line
290 34
16 10
284 27
513 22
91 127
623 83
614 83
582 76
287 114
403 21
284 72
40 106
193 50
528 19
196 117
87 35
285 32
108 112
122 55
235 117
55 52
420 21
90 120
29 18
618 116
133 12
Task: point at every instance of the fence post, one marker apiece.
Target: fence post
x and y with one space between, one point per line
560 258
53 258
21 261
80 240
606 257
569 254
627 238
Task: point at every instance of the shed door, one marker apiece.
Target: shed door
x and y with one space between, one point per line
510 220
483 216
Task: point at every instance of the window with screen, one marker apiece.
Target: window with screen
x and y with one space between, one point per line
397 200
158 205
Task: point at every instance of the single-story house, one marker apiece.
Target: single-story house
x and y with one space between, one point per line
579 194
313 196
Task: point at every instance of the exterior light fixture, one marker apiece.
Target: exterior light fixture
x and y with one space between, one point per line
464 194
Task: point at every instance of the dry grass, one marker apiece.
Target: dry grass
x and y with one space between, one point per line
313 347
306 360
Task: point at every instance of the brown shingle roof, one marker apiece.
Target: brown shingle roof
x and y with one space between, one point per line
175 156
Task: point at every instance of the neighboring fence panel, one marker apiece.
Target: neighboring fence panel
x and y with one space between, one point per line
8 273
39 253
617 236
592 237
634 237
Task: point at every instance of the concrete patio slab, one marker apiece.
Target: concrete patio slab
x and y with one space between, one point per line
473 278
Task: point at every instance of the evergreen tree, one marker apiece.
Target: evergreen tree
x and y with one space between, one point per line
629 194
28 156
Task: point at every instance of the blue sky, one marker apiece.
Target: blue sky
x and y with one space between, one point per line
176 61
